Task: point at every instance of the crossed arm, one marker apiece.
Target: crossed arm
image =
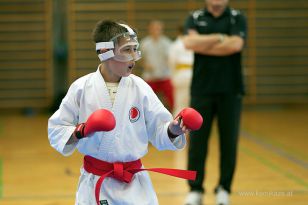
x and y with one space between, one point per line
213 44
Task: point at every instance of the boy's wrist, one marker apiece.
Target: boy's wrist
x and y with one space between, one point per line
72 140
171 135
79 131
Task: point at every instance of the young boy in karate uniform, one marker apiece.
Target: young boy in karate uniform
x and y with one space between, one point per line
136 117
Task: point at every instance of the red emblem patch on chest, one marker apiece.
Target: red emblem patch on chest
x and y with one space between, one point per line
134 114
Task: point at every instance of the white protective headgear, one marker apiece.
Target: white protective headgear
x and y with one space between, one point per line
123 47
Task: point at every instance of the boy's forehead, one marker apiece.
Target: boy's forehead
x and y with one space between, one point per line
132 40
124 38
130 45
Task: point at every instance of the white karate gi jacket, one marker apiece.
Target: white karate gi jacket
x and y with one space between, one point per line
181 78
128 141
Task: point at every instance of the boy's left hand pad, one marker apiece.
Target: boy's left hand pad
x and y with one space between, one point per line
100 120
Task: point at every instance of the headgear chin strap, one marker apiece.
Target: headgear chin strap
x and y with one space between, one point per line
122 47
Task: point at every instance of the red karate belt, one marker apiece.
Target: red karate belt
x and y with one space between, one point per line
124 171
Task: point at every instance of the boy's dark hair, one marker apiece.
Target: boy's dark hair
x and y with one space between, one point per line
106 29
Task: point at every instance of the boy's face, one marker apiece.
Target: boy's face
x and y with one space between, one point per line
126 48
114 70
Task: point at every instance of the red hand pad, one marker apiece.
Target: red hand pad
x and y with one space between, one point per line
100 120
191 118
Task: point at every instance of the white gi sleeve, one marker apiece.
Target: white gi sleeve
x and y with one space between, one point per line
62 123
158 119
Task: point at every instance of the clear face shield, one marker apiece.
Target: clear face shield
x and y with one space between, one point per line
126 47
123 47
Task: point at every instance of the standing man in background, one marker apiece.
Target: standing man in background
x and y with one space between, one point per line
156 71
216 34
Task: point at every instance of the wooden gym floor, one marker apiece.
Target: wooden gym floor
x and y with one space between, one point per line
272 162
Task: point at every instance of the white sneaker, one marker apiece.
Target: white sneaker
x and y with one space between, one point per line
222 197
194 198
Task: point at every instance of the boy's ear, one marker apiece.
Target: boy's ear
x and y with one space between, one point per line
103 50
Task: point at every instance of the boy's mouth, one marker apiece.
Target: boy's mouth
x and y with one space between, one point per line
131 66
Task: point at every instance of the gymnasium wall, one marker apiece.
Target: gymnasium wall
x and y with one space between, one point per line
45 45
25 53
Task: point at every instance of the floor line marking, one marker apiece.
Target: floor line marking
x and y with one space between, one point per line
274 167
275 149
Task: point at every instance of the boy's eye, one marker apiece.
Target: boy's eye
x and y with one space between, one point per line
129 49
